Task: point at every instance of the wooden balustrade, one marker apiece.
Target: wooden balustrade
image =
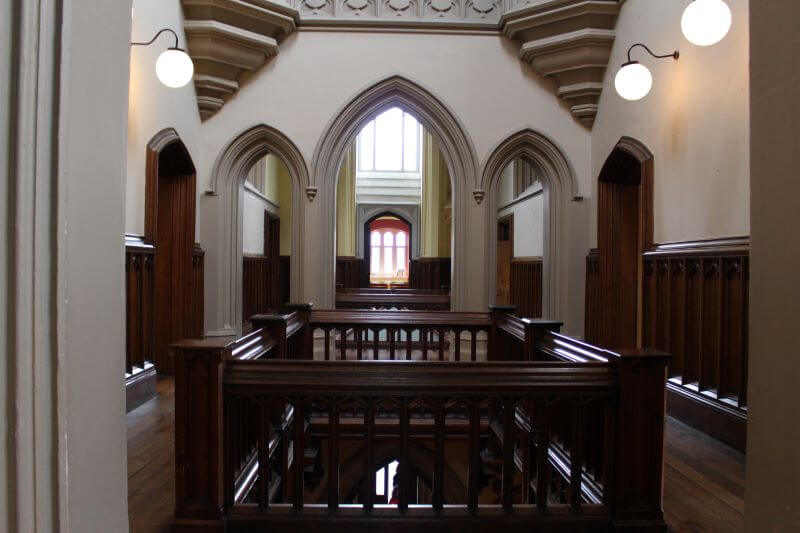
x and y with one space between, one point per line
570 440
387 299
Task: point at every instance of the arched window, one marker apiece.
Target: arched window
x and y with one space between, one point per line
390 143
389 252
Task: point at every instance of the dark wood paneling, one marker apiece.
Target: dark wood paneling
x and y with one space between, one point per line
139 290
348 272
591 317
196 325
265 288
695 307
526 286
429 273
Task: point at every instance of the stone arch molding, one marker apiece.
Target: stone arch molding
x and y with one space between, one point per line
227 180
456 146
559 186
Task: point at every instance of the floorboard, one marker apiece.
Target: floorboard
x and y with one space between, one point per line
703 478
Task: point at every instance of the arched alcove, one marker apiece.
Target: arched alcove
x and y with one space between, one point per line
227 179
439 121
559 186
624 233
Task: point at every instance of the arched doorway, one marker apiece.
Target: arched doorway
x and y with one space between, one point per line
624 232
170 199
558 187
456 149
226 225
387 251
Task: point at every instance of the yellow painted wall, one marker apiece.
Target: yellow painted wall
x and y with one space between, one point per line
346 206
283 187
436 209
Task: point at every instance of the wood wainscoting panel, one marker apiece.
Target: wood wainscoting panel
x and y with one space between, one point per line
348 272
694 306
429 273
255 285
591 328
526 286
139 321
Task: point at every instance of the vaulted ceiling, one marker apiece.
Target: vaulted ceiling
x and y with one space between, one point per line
568 41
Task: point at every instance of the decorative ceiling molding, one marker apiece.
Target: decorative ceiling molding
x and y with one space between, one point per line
569 41
228 37
566 40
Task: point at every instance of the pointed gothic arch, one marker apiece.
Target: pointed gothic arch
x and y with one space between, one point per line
559 186
227 181
434 115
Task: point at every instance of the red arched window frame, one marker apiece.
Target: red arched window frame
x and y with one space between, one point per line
389 241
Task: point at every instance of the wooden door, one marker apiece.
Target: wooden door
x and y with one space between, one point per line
505 251
173 264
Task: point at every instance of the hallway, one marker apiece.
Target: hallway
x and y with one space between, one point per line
703 479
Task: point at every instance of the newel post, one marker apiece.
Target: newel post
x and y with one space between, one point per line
276 327
639 457
497 313
304 314
199 490
535 328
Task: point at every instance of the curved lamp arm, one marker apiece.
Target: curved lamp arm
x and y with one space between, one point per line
674 55
151 41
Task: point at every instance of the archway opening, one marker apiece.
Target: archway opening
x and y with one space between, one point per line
266 237
394 169
520 205
387 246
624 233
170 201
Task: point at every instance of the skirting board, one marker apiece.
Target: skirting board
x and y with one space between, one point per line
715 420
139 388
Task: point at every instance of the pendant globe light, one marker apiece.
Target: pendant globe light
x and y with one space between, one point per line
174 67
706 22
634 80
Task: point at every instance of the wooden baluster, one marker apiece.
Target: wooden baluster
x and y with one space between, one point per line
359 343
263 453
438 465
424 336
403 467
343 344
369 431
576 457
408 343
333 457
457 335
542 445
390 332
473 345
474 455
376 344
608 454
229 449
327 344
508 456
441 345
299 452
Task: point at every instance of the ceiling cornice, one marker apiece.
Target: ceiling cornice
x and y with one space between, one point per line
568 41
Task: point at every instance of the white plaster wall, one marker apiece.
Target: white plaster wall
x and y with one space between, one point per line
772 501
528 226
152 106
479 77
695 121
6 17
253 221
91 273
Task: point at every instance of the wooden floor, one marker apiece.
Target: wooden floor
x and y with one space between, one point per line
703 485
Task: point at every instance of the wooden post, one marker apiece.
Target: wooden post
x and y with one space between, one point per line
304 309
535 328
496 311
639 460
199 485
275 326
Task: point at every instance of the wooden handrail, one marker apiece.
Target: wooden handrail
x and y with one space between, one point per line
412 299
590 420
